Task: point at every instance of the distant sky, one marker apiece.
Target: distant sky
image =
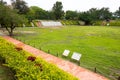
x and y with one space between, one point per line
79 5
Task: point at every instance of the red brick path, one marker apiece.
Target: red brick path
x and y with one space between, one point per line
81 73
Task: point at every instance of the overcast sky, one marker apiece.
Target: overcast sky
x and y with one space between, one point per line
79 5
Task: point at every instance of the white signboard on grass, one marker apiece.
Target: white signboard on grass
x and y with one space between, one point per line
76 56
66 53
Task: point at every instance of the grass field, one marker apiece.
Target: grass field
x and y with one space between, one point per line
99 46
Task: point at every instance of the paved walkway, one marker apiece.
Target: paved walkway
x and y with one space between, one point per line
81 73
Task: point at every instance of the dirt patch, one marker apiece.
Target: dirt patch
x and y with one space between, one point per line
53 27
28 32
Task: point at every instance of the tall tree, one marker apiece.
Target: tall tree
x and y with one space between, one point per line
94 13
51 15
20 6
9 19
57 10
117 13
37 13
104 14
71 15
86 17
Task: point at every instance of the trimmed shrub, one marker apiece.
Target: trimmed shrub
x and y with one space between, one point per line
28 25
70 22
111 23
24 69
115 23
97 23
35 23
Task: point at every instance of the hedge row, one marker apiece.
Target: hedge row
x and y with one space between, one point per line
27 67
69 22
35 23
27 25
111 23
115 23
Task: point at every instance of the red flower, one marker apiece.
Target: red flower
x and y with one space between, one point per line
31 58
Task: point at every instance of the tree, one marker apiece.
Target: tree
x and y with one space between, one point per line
37 13
30 15
20 6
86 17
9 19
71 15
117 14
2 2
57 10
50 15
95 14
105 14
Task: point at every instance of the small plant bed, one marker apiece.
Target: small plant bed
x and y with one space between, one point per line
28 67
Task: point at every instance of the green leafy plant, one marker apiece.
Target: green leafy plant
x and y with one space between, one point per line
28 67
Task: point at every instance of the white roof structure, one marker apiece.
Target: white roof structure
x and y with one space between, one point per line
51 23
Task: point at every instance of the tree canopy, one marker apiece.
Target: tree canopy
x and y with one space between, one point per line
20 6
9 19
71 15
57 10
117 13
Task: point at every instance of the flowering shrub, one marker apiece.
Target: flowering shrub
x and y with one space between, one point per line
35 69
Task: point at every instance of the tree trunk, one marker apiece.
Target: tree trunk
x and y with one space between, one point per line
11 33
10 30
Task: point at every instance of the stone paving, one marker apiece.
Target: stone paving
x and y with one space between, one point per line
81 73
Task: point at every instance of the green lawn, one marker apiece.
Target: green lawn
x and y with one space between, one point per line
99 46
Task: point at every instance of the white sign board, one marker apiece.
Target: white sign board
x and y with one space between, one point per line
76 56
66 52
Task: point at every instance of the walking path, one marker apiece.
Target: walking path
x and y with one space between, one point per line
81 73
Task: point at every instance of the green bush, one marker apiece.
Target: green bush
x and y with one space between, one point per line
112 23
25 69
28 25
35 23
70 22
97 23
115 23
